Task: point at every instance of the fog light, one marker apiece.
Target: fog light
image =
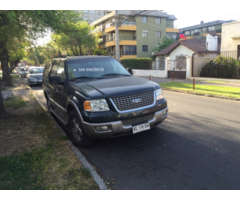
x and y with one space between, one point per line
164 112
102 128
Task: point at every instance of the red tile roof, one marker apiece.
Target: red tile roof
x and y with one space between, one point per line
196 45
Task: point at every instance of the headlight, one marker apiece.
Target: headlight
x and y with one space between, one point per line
159 94
96 105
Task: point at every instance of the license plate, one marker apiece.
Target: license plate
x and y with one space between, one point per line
141 127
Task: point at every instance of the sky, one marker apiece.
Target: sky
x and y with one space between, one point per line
202 15
183 19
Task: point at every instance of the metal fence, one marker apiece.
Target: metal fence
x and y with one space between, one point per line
123 53
223 65
121 38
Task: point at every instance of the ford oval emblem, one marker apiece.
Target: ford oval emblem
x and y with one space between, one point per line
136 100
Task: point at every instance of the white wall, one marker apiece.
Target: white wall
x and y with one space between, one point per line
230 30
180 50
153 73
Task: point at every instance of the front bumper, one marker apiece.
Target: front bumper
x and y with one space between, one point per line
34 82
117 128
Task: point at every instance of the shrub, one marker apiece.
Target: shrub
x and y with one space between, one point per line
137 63
100 52
221 67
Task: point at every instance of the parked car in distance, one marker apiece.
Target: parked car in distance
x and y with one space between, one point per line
34 76
98 98
24 72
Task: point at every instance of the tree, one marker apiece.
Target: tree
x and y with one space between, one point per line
32 24
77 41
166 42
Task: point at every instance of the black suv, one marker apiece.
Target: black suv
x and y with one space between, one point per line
98 98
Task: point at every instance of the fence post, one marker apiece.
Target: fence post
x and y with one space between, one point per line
172 76
150 77
193 83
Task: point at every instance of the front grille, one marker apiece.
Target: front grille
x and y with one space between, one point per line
125 102
132 121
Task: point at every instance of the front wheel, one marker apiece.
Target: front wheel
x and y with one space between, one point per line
77 134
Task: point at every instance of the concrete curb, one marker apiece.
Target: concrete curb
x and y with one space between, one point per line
199 94
78 153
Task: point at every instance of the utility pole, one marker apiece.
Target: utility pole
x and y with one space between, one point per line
117 37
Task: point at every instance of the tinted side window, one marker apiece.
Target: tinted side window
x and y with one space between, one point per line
61 71
54 68
46 70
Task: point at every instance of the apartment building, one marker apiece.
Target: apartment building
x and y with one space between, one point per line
202 29
139 32
92 15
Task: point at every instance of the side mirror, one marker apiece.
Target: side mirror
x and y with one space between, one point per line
130 71
55 80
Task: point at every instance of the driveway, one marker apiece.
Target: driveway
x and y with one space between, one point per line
196 147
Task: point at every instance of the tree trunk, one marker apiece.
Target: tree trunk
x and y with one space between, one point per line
4 62
80 49
3 113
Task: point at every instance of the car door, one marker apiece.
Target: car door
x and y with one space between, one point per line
61 95
51 86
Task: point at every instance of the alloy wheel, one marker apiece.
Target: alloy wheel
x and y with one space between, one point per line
76 130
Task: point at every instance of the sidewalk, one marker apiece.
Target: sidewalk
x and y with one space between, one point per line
199 80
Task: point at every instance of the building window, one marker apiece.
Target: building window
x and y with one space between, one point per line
85 18
99 12
192 32
204 30
92 11
174 36
160 63
187 32
144 33
158 20
144 19
158 34
85 11
145 48
211 28
196 30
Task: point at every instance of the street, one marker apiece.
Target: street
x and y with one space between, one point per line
196 148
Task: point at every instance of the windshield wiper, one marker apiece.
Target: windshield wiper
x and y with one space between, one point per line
84 77
115 74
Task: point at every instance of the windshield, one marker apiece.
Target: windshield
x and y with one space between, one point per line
36 70
95 68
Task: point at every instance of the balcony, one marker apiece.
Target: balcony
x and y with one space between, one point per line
172 30
126 26
124 40
124 54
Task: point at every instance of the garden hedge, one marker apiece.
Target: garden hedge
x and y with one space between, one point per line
137 63
221 67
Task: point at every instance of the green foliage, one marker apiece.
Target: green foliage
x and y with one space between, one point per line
79 40
100 52
221 67
166 42
15 102
137 63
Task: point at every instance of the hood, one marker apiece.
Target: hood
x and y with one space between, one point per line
113 87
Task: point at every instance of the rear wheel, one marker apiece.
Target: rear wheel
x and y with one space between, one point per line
77 134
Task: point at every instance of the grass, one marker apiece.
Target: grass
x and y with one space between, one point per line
15 102
218 91
38 157
14 76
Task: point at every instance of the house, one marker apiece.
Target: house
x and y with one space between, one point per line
202 29
187 57
139 32
231 39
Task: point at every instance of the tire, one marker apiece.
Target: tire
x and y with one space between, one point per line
76 132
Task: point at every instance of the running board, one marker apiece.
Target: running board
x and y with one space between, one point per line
64 121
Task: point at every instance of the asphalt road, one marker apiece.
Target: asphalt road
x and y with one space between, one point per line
196 148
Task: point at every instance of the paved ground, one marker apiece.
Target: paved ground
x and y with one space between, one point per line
197 147
163 80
